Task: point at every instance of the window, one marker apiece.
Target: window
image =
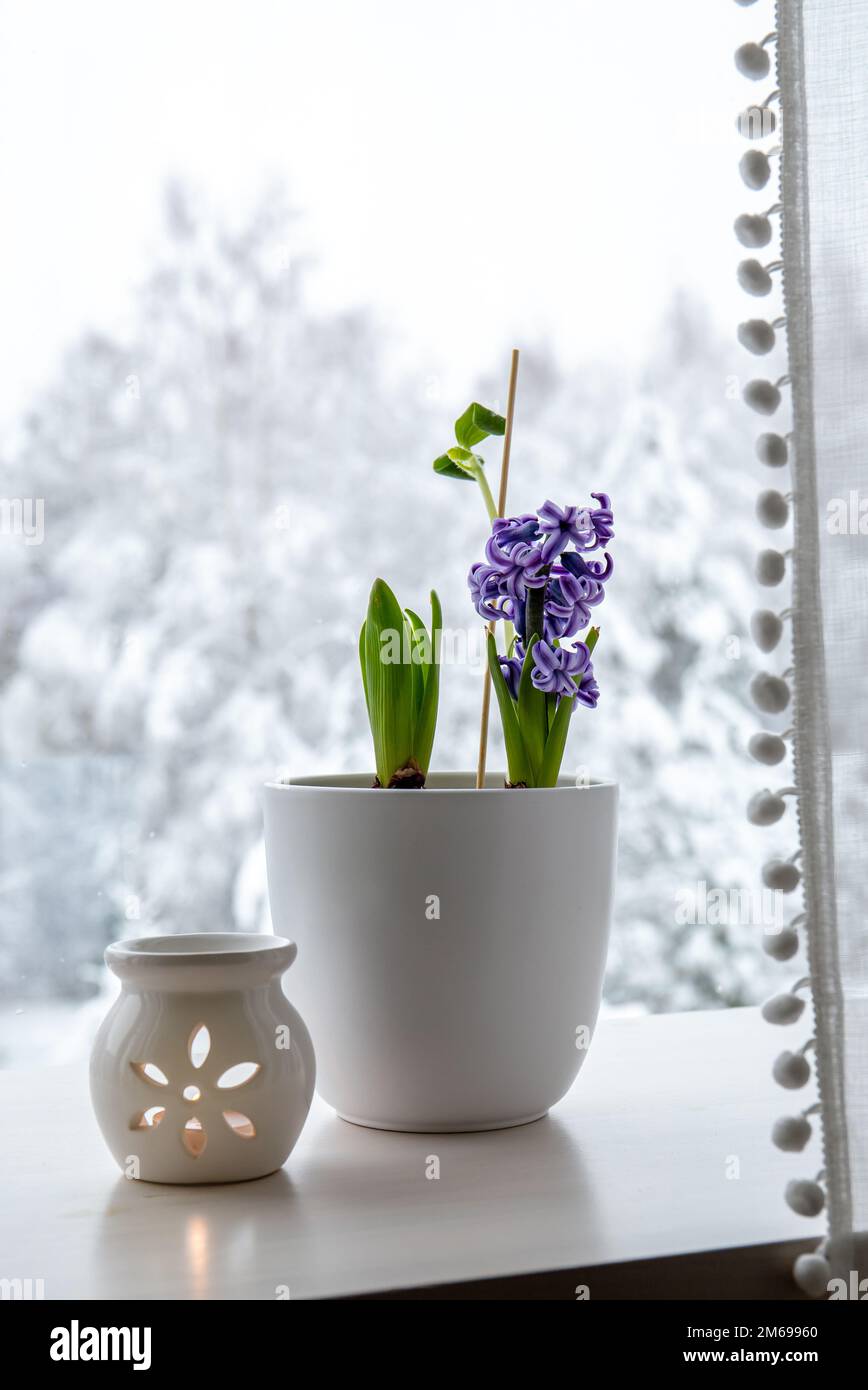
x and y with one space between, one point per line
255 271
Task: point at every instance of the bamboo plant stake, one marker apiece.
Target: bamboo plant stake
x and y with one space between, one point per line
501 511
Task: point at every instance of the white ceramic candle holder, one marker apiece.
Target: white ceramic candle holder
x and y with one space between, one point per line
202 1071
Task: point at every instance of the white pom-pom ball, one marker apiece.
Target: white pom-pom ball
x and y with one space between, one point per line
783 1009
771 566
769 693
811 1272
781 875
791 1070
755 169
767 748
752 61
757 336
765 808
804 1197
781 945
791 1133
771 449
756 122
753 229
772 509
762 396
753 277
765 629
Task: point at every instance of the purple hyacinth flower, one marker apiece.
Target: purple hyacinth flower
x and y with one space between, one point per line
556 666
560 525
601 528
511 668
567 610
588 692
601 517
484 584
557 623
510 530
601 570
595 571
519 569
551 555
515 611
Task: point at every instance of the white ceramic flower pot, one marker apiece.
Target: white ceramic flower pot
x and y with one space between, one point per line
202 1071
452 941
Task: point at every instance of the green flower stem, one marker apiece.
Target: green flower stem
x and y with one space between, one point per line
479 474
474 469
534 623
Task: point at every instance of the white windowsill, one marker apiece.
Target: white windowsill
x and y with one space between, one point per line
637 1163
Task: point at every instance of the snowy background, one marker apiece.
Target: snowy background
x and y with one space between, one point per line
229 400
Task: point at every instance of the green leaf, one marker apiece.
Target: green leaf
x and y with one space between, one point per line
551 709
389 683
416 672
476 424
591 638
532 712
362 664
516 754
420 643
426 721
420 652
450 469
556 743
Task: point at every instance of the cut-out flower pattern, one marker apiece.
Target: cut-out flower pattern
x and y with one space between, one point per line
194 1135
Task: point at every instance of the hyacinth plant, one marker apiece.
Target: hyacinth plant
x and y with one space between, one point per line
400 661
538 578
538 581
541 580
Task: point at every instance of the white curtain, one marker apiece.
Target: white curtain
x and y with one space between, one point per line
823 79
